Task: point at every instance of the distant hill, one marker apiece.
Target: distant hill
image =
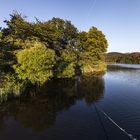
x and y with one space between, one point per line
127 58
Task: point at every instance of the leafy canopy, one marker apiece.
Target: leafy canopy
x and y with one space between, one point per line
35 63
54 48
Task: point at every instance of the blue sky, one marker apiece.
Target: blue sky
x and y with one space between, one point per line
118 19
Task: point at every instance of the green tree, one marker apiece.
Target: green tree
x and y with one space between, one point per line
92 57
66 65
17 29
35 63
74 51
64 33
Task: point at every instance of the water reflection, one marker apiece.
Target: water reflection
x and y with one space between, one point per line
124 73
39 112
122 67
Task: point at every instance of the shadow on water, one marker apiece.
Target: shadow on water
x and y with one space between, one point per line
40 111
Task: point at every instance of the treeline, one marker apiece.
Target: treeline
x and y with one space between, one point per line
31 53
126 58
37 51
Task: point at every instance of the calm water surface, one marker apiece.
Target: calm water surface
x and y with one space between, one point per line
70 109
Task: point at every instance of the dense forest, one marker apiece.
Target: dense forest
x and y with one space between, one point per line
126 58
35 52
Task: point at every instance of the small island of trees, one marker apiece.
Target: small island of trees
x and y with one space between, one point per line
35 52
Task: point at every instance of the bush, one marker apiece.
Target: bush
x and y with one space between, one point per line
35 64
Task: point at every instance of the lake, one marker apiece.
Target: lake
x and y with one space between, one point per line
74 109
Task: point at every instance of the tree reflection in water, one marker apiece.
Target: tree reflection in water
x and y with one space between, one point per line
39 112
